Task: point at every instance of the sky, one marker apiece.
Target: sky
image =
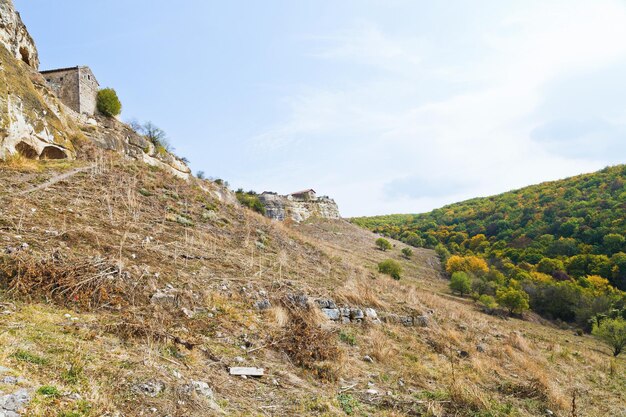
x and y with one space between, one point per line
388 106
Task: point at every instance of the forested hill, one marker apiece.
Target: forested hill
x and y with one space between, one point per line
543 235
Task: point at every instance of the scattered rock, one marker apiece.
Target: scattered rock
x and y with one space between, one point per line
480 348
371 391
463 354
150 388
332 313
326 303
12 404
421 321
203 389
356 314
263 304
368 358
9 380
239 359
370 313
245 371
300 300
164 298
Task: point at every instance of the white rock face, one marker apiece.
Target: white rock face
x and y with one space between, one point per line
15 37
280 207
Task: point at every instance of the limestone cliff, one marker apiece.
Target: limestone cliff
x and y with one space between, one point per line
283 207
35 123
14 35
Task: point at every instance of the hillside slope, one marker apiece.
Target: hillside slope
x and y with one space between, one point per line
563 243
127 291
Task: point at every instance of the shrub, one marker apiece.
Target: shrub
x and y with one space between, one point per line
251 200
460 282
407 252
383 244
391 268
347 338
108 103
515 300
49 391
612 332
348 403
24 356
488 301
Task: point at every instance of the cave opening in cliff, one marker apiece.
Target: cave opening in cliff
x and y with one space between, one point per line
26 150
52 152
25 55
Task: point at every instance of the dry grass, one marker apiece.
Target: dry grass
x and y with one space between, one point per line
218 265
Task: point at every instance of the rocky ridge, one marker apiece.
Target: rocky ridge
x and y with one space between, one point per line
283 207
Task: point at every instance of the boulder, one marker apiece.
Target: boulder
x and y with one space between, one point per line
332 313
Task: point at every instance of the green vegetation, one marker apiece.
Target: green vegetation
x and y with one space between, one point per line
49 391
460 282
391 268
559 245
407 252
347 337
348 403
250 200
108 103
383 244
612 332
24 356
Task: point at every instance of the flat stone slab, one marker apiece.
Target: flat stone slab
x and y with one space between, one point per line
241 370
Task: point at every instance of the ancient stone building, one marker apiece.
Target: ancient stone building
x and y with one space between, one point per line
77 88
14 35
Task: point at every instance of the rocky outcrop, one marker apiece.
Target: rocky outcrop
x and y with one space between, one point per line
37 125
109 133
14 35
32 121
281 207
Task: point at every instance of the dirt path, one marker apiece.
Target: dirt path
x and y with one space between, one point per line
55 179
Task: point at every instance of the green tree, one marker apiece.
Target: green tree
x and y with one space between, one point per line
460 282
383 244
407 252
391 268
513 299
612 332
108 103
488 301
613 242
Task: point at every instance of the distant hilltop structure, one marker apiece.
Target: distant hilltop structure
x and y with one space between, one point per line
76 87
299 206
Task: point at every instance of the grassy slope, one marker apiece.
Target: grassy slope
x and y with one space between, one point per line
221 262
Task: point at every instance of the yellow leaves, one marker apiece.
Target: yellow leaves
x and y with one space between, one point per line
471 264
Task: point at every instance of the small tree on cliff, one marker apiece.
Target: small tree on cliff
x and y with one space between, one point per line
108 103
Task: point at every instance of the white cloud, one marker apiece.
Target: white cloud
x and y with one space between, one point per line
385 129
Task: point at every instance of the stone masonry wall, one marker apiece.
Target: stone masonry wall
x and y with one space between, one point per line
65 85
88 90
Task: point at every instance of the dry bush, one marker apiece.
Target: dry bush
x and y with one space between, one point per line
307 344
88 283
518 341
382 348
359 292
20 163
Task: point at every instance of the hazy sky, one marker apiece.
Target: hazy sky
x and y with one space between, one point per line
388 106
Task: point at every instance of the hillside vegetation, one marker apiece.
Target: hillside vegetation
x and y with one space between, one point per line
560 245
125 291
